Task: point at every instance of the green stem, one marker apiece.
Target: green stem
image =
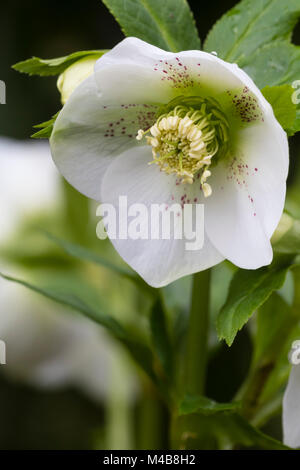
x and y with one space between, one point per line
152 418
252 388
197 336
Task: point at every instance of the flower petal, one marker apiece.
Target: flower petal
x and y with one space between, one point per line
265 149
232 224
248 194
129 73
88 133
158 262
103 115
291 409
138 72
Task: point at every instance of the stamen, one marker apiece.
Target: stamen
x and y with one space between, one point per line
140 134
185 139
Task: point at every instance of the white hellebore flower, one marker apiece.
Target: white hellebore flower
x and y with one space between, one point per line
211 136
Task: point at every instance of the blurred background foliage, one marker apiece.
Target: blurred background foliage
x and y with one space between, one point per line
123 411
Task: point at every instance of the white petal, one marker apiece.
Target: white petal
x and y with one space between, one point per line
291 409
88 133
158 262
132 72
129 83
248 194
232 224
265 149
139 72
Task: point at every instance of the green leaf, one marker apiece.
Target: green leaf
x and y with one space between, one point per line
256 35
139 351
280 98
250 25
248 291
221 429
160 337
204 405
84 254
277 63
47 67
46 128
168 24
242 431
75 302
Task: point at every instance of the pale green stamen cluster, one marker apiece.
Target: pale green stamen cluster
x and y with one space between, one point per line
183 142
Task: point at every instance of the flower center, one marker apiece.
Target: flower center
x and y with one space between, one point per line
186 137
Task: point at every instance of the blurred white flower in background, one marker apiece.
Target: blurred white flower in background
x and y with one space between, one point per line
49 347
28 182
291 401
46 345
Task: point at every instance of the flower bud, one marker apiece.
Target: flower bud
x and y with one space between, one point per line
74 75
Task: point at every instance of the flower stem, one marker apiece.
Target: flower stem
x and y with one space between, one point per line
197 335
